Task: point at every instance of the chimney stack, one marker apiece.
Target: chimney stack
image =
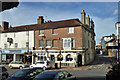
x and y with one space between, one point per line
5 25
83 15
40 20
88 20
92 24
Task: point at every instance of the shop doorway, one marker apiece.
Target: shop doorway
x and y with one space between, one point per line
79 60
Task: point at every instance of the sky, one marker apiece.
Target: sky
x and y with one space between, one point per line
104 14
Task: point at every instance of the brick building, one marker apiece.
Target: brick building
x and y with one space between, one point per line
70 41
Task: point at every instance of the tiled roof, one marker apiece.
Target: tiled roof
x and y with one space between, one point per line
47 25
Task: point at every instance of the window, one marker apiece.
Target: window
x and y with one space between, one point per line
55 43
27 44
16 45
69 58
71 30
48 43
68 43
5 45
41 32
41 43
59 57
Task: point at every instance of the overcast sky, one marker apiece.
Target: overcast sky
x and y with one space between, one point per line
104 14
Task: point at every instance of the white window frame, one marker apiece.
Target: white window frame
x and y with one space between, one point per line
67 43
71 30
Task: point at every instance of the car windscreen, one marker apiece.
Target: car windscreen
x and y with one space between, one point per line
21 73
43 76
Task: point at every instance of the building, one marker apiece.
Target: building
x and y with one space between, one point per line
15 41
108 41
69 42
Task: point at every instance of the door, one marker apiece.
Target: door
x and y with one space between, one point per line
79 60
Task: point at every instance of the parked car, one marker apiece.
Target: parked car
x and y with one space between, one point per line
55 75
113 73
25 74
3 73
42 64
17 64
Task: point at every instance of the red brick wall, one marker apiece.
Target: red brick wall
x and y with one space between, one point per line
59 34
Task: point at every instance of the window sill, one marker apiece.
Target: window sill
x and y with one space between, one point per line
54 47
54 34
48 47
70 33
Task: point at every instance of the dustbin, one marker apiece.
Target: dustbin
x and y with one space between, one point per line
56 65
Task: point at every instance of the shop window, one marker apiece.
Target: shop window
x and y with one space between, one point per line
59 57
48 43
69 57
41 43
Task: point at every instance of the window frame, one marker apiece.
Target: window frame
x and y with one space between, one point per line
41 46
70 30
48 46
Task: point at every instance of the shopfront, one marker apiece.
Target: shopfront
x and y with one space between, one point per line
12 55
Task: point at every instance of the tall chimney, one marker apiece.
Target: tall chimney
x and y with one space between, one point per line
5 25
83 15
92 24
40 20
88 20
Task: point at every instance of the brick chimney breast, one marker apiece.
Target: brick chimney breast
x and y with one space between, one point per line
40 20
88 20
5 25
83 16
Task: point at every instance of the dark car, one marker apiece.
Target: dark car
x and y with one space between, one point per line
3 73
114 73
55 75
25 74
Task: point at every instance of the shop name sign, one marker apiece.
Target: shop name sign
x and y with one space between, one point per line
15 51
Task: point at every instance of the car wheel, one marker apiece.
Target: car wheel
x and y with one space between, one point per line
21 67
10 67
44 68
4 77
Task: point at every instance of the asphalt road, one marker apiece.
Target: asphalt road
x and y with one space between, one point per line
96 71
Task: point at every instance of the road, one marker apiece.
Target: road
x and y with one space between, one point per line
95 71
